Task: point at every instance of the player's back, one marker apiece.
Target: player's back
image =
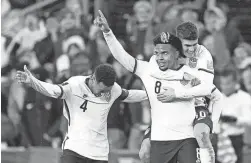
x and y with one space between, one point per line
87 119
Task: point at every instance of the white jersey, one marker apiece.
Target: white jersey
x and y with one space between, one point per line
87 118
170 121
201 62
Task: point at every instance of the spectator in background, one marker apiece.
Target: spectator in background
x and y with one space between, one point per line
7 127
169 19
33 31
246 83
190 12
219 37
140 28
81 65
72 47
5 58
241 52
68 27
235 114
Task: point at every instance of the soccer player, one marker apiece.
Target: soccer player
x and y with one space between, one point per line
172 137
87 100
197 57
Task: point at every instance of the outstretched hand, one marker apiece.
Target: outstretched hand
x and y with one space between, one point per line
24 76
101 22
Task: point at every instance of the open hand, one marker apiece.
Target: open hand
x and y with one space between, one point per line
101 22
24 76
168 95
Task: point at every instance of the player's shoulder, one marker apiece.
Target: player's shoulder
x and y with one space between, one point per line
203 53
76 80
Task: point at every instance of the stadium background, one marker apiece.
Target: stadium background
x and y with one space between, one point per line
56 39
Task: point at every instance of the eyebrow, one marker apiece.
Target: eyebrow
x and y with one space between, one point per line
191 45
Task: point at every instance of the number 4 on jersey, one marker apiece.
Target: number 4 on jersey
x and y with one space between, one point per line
84 106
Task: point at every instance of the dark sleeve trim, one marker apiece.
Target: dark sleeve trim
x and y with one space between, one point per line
213 89
62 92
135 66
124 94
68 112
202 69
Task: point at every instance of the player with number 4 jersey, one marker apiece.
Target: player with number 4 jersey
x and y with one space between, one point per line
87 101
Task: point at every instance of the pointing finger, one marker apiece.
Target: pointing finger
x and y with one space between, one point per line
101 14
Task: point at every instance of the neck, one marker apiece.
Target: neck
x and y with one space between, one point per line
176 66
89 83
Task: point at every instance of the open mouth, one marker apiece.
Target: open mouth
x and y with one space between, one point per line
161 64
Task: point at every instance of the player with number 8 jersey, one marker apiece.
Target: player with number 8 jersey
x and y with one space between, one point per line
87 101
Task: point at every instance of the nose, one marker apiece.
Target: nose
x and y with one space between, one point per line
160 56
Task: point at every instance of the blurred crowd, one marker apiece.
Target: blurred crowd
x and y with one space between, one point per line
59 43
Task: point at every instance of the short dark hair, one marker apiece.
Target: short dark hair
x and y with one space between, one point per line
167 38
106 74
188 31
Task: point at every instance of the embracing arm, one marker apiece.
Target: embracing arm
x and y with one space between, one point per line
203 89
132 96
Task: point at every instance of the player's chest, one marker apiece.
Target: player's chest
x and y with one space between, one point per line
90 108
155 86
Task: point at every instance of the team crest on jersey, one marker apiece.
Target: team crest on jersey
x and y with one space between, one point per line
192 62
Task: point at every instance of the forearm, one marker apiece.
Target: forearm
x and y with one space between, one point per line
136 96
46 89
200 90
118 51
215 106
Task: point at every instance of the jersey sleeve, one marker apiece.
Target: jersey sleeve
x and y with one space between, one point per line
122 56
68 87
205 67
132 96
140 67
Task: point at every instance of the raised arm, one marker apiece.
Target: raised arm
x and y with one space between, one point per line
132 96
46 89
115 47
